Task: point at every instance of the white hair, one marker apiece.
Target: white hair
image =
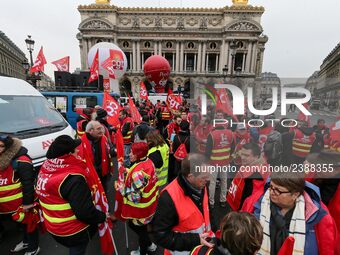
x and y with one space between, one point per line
91 125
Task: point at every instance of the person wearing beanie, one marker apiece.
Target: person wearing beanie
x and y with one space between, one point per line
17 188
140 195
63 183
97 146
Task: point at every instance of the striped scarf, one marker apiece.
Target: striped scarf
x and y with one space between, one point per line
297 227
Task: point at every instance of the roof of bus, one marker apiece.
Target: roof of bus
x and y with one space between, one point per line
63 93
12 86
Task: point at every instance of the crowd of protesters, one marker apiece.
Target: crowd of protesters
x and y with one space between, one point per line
165 196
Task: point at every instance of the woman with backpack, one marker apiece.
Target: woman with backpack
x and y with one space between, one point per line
181 146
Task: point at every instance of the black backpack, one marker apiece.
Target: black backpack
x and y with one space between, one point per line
273 147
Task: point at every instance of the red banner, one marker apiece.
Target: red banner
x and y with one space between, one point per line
63 64
143 93
223 103
94 71
121 170
303 117
135 115
113 108
174 102
99 197
39 63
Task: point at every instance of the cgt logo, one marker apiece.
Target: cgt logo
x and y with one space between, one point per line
239 99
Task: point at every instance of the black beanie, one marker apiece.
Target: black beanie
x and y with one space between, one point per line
62 145
101 113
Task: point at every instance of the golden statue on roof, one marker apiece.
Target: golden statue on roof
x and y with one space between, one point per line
103 1
240 2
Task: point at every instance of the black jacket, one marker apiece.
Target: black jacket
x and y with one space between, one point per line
166 218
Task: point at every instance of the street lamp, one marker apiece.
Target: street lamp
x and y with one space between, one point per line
30 47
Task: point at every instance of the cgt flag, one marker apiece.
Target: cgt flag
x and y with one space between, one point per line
135 115
143 93
94 71
113 108
39 63
63 64
174 102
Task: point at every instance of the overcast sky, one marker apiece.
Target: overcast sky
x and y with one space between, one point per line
301 32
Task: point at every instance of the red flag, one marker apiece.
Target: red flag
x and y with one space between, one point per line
287 246
117 59
135 115
143 93
113 108
107 64
39 63
63 64
174 102
121 170
100 200
223 103
94 71
303 117
334 131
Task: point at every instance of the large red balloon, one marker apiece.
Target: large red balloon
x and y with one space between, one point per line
157 71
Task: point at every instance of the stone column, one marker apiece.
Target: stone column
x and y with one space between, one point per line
216 65
222 57
204 57
207 62
226 54
160 48
181 57
199 57
254 56
243 62
230 59
185 62
173 62
247 69
177 57
134 56
155 47
138 57
195 62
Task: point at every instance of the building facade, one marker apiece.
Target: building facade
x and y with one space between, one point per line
11 58
201 44
329 80
268 82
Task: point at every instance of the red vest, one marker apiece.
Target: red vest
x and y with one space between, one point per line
222 140
235 191
201 133
334 208
190 218
80 131
165 113
128 137
172 128
263 134
59 218
10 188
146 207
105 148
302 143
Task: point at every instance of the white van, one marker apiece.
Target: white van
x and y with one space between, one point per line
27 115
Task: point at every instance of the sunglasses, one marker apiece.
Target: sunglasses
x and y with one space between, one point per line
277 192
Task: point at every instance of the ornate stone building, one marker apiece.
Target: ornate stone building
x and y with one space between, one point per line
201 44
329 80
11 58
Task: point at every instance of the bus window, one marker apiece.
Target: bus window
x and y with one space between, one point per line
83 102
58 102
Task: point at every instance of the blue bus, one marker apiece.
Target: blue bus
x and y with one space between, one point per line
67 102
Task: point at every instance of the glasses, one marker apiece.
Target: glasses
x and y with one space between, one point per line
277 192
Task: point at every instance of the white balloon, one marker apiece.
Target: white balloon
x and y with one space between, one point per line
104 53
